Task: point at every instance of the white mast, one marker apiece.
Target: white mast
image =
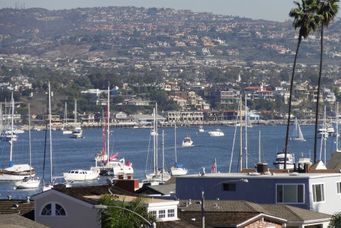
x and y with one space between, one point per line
29 133
65 115
246 123
156 141
12 131
1 119
175 147
108 125
259 146
337 127
75 120
50 132
240 136
163 153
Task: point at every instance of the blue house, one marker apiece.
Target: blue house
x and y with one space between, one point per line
320 192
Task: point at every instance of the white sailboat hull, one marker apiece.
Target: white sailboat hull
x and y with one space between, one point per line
177 171
16 172
28 183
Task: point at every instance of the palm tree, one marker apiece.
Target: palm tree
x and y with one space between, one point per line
326 10
306 21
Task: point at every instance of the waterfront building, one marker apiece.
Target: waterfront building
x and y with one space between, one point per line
79 206
187 117
320 192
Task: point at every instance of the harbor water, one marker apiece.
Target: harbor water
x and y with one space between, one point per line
136 145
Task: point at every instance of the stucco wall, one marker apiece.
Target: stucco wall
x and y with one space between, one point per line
77 214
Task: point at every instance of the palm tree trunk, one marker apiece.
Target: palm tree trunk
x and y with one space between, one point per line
289 102
318 95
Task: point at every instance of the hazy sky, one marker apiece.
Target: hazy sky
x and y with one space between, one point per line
258 9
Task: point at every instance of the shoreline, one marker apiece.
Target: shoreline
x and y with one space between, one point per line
131 124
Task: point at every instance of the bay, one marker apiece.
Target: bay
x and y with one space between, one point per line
136 144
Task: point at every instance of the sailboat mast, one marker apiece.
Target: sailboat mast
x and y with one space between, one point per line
175 147
1 118
240 136
259 146
12 136
108 125
75 112
337 126
29 133
65 114
156 141
246 123
163 153
50 132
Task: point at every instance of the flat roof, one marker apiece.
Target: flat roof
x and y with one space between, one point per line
254 175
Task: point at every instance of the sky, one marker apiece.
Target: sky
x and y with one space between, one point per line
276 10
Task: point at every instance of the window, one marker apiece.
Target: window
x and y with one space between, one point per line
338 186
53 209
47 210
290 193
171 213
59 210
162 214
153 213
231 187
318 192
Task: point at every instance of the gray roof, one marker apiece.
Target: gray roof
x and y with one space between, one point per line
17 221
291 214
164 189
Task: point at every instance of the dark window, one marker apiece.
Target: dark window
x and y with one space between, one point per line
59 210
290 193
47 210
229 187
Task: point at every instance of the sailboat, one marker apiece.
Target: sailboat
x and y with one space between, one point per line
177 169
15 172
49 185
65 128
77 131
108 164
31 181
296 133
158 176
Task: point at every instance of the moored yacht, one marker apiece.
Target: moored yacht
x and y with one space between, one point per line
81 175
280 160
28 183
77 132
16 172
187 142
216 133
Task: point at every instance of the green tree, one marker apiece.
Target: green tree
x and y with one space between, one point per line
335 221
306 21
326 10
120 218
